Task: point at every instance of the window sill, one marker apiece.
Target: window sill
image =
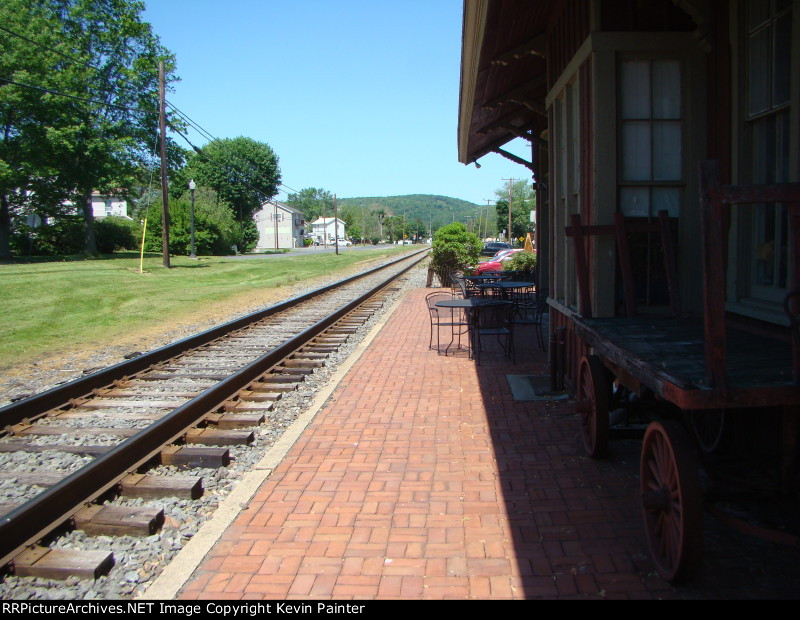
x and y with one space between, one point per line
761 310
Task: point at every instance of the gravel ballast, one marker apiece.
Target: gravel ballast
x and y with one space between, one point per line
139 560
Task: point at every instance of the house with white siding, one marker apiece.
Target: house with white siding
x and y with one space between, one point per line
325 230
279 226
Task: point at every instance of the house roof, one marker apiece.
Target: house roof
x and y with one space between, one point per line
326 220
270 204
503 74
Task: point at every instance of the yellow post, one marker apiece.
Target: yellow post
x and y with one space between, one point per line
141 253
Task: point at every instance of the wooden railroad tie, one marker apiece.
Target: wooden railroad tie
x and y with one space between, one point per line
230 420
183 456
217 437
286 384
303 362
294 370
119 520
246 406
309 355
121 393
146 486
320 348
177 373
100 403
23 431
62 563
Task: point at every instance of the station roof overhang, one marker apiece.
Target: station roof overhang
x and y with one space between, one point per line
503 75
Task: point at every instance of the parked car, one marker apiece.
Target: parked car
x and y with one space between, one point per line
344 242
493 247
496 262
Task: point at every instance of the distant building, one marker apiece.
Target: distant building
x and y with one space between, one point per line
325 229
279 226
104 205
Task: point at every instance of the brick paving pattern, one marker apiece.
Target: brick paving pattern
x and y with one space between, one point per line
422 478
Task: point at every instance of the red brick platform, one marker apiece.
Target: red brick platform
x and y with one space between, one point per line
422 478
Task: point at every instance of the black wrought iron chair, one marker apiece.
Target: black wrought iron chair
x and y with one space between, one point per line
452 318
493 319
491 290
455 287
531 311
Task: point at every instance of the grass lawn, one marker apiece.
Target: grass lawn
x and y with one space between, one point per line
49 307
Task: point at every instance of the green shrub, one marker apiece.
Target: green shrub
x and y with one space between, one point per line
116 233
62 235
215 228
522 261
454 249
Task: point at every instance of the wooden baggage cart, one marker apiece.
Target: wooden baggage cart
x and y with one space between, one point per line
697 367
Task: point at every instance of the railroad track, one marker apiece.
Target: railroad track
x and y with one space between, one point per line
185 405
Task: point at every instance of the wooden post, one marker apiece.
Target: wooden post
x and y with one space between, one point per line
162 122
670 263
625 264
141 252
581 267
713 275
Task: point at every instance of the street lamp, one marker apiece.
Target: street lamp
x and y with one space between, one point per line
192 187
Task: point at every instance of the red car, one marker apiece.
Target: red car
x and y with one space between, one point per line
496 262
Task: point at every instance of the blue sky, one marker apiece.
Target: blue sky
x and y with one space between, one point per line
358 97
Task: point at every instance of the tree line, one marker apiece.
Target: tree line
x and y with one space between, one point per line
79 113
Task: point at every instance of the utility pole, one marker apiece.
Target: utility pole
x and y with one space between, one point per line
486 220
336 222
324 225
510 199
276 225
162 123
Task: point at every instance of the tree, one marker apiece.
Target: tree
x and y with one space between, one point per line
216 230
379 213
523 202
108 126
243 172
27 164
312 202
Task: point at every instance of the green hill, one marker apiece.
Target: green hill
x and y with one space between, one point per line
433 210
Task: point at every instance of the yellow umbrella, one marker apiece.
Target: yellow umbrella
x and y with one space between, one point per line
529 243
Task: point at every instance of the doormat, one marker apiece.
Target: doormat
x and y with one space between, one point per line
533 388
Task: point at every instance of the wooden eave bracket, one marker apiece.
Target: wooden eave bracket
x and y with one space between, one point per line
520 95
505 124
515 159
699 17
531 47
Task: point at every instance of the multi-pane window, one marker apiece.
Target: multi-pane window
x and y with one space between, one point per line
651 177
769 26
651 144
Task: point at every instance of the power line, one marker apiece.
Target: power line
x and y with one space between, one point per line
73 59
60 94
203 132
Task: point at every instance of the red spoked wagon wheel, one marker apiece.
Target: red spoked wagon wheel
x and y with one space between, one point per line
709 428
593 406
671 501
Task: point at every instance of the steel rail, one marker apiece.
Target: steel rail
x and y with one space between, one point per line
35 519
39 404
